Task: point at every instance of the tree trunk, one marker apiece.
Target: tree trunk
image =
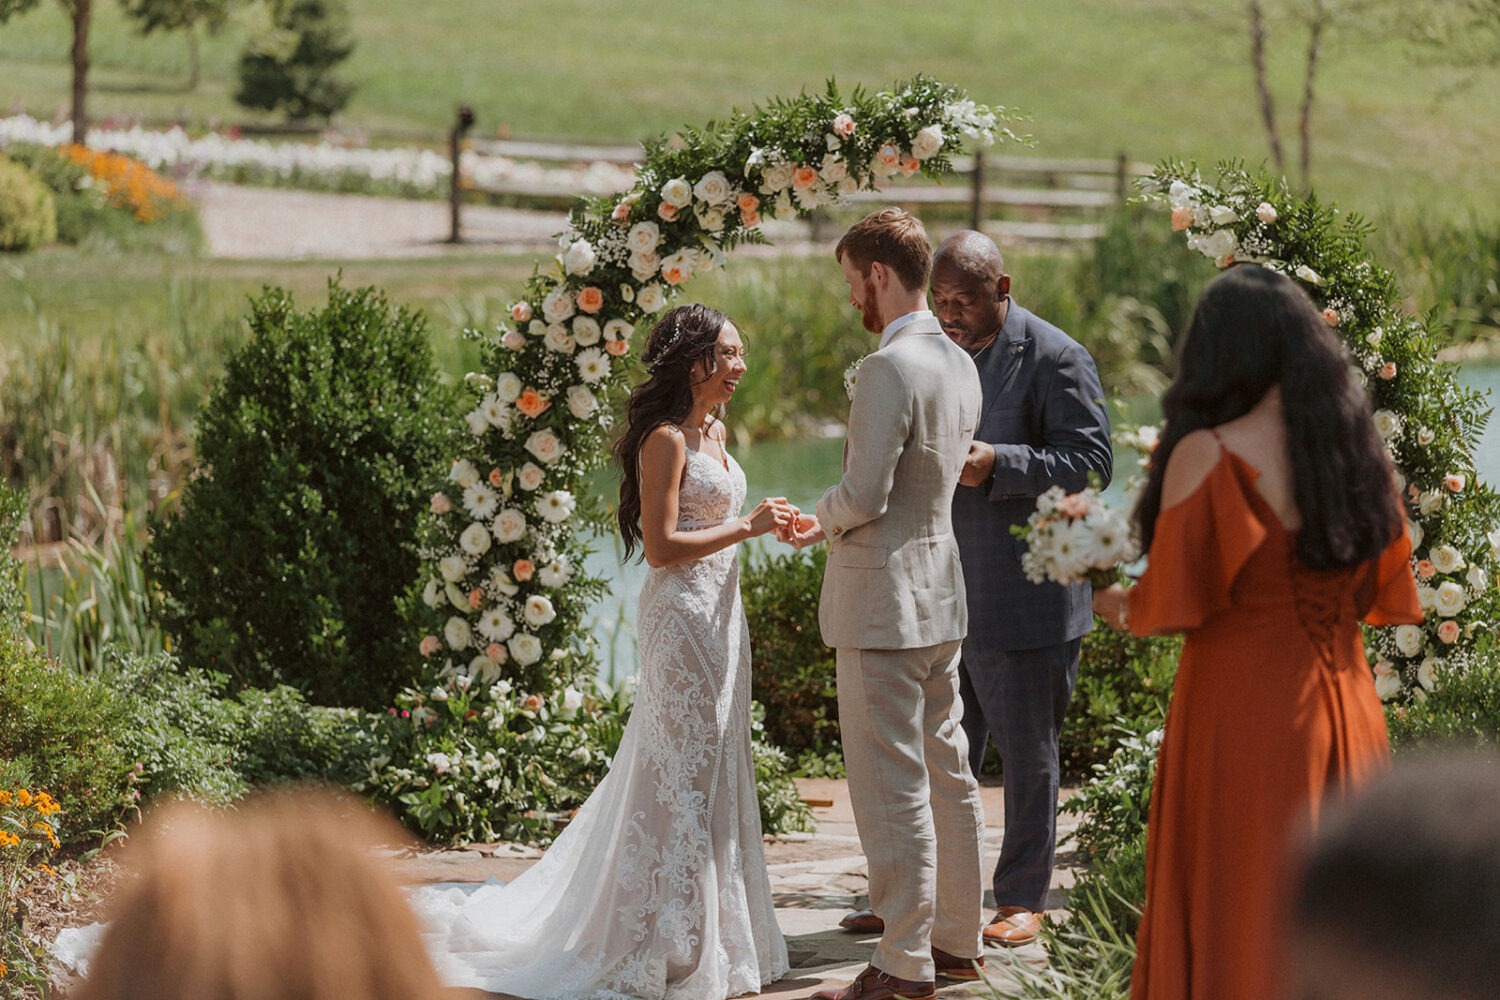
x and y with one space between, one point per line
1263 83
195 61
1316 23
82 13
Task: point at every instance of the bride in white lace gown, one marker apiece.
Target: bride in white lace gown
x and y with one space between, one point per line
658 887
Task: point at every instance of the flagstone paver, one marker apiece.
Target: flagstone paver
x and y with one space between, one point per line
816 878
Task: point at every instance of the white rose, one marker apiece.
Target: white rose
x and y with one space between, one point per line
557 307
557 506
833 169
1308 275
848 185
1409 640
618 329
1450 599
677 193
1447 559
572 701
713 188
927 142
581 402
776 178
1417 534
1430 503
456 631
1375 336
558 340
507 386
545 446
644 265
456 597
501 582
1222 215
1220 243
530 476
525 648
463 473
555 573
580 258
1387 682
1387 424
432 594
1265 212
586 331
710 219
510 525
452 568
1477 579
1425 596
1182 195
643 237
1427 673
474 540
650 298
538 611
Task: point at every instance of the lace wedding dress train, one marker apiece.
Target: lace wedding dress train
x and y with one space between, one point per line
658 887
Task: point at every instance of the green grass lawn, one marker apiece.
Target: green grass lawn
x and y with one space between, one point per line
1097 77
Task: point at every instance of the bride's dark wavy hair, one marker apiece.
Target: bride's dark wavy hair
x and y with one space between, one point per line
680 339
1254 329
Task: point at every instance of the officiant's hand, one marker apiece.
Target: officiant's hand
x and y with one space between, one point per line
979 466
1113 605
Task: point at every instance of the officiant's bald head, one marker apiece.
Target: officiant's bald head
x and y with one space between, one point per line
970 289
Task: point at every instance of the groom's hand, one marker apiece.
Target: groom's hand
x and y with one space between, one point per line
805 531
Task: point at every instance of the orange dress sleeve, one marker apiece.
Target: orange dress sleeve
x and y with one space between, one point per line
1388 593
1199 547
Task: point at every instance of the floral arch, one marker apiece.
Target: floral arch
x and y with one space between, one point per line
500 726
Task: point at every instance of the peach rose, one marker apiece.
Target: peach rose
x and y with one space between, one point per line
523 569
1447 632
531 402
617 347
621 211
748 203
1182 218
888 156
521 312
1455 482
1074 505
476 598
430 644
512 340
667 213
751 219
1425 569
590 299
1331 317
495 652
804 177
496 479
843 125
1388 370
909 164
533 703
440 504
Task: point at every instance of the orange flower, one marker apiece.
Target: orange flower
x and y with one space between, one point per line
531 402
523 569
804 177
617 347
476 598
590 299
23 797
128 183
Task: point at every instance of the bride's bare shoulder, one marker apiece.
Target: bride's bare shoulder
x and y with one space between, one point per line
1192 459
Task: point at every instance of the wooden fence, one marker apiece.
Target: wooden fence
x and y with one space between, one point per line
1023 198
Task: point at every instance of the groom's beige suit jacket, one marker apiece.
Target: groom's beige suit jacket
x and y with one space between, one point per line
894 580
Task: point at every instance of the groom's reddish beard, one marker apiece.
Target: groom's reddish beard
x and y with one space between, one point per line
869 308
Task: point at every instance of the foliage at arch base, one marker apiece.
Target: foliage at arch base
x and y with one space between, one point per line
509 725
1430 423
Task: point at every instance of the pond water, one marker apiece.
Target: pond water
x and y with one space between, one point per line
802 470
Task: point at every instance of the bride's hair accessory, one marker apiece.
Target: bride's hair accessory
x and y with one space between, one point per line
673 336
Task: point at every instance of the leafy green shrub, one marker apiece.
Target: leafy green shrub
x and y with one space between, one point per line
794 671
290 68
1117 800
1121 680
27 840
12 589
296 543
63 729
28 215
781 807
1464 709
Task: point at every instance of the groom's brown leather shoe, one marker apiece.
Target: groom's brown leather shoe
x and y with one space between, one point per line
952 967
863 922
872 984
1013 926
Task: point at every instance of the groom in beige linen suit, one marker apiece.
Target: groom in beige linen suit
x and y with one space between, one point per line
893 608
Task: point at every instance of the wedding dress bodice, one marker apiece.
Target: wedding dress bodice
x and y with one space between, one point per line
658 887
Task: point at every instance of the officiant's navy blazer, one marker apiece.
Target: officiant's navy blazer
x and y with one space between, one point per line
1044 413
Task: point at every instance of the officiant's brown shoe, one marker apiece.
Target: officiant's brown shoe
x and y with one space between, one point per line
863 922
872 984
1012 927
952 967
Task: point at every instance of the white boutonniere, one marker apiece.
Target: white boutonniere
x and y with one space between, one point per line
851 375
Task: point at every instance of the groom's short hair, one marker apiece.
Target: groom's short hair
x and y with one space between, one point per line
893 237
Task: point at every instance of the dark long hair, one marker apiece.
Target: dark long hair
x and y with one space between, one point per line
680 339
1254 329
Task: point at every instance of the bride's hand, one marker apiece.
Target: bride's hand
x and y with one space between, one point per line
1113 605
771 514
804 531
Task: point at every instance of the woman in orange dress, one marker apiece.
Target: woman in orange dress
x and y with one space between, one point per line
1273 526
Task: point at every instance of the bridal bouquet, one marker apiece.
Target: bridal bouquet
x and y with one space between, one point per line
1073 537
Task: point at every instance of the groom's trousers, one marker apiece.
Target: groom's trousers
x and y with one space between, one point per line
916 804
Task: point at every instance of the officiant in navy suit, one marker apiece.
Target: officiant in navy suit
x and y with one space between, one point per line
1042 423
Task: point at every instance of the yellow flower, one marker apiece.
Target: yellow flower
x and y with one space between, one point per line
23 797
4 797
8 839
48 869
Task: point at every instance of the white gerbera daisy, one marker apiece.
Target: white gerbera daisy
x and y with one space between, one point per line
557 506
593 364
480 501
